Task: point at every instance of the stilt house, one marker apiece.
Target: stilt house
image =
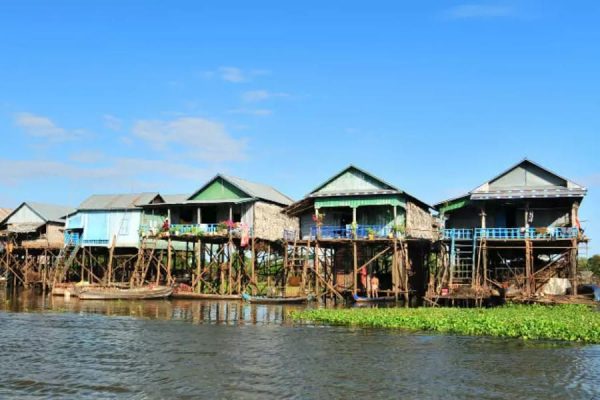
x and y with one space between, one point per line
226 204
109 220
511 234
35 225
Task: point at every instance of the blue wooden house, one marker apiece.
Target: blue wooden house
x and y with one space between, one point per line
109 220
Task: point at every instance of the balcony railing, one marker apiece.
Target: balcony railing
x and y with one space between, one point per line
544 233
361 232
192 230
458 234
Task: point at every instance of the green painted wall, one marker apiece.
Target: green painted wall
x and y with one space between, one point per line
220 190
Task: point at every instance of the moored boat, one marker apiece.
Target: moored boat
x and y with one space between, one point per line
141 293
275 300
205 296
362 299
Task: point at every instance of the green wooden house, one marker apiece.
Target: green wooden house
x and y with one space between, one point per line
225 201
357 204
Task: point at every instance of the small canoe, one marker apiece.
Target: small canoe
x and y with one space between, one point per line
143 293
362 299
275 300
205 296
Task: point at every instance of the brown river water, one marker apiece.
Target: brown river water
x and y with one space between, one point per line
52 348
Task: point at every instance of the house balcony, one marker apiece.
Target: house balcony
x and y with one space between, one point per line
544 233
347 232
193 230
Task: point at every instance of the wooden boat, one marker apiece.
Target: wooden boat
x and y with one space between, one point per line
362 299
142 293
205 296
275 300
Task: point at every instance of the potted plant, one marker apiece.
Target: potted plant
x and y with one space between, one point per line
399 230
371 233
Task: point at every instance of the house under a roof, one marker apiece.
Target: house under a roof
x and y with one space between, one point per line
511 234
357 221
35 225
226 199
31 238
107 220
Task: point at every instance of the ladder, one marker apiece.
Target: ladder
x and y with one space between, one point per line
461 262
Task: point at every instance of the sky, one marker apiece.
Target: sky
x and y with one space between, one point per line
435 97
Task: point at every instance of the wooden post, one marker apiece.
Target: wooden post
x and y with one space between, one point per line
317 270
484 251
110 259
221 264
528 276
573 264
285 264
169 261
355 267
198 264
253 267
395 267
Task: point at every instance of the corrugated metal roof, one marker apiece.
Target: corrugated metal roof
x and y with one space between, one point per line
117 201
50 212
260 190
175 198
253 189
571 189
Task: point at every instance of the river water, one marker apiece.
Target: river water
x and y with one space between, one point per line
52 348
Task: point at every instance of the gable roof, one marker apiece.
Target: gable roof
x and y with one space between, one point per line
252 189
175 198
487 190
385 188
118 201
47 212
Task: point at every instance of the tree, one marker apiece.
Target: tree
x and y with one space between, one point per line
591 264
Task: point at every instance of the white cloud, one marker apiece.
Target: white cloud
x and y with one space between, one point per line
232 74
259 112
115 174
43 127
261 95
196 138
87 156
111 122
467 11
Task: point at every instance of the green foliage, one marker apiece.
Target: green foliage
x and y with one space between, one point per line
590 264
563 322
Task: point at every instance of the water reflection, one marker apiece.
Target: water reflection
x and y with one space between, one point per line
54 348
194 311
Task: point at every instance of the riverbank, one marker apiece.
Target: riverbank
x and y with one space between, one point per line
563 322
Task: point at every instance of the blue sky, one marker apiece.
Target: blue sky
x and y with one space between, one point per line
435 97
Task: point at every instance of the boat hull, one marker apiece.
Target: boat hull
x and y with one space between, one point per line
159 292
360 299
277 300
205 296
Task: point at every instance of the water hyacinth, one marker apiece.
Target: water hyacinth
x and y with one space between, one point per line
563 322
